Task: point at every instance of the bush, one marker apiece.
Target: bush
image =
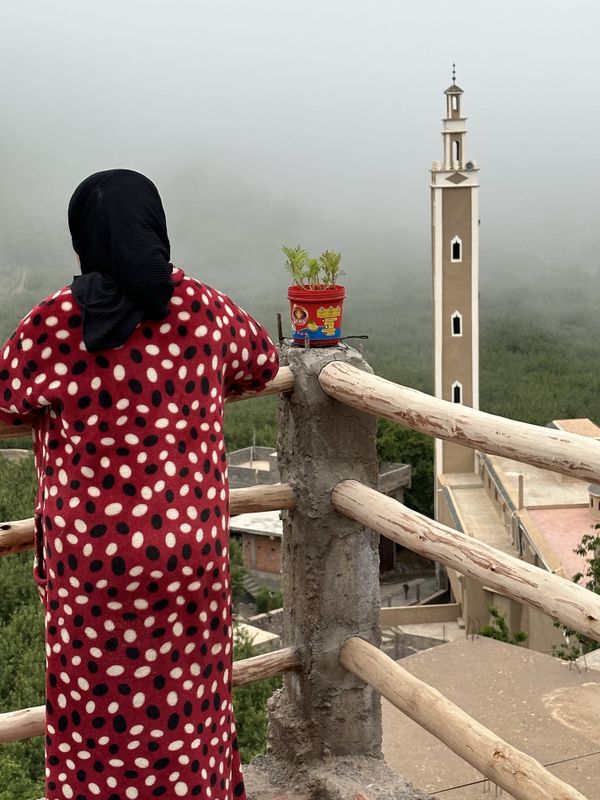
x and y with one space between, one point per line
250 704
21 639
577 644
268 600
498 629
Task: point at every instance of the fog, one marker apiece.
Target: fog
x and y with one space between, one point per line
292 121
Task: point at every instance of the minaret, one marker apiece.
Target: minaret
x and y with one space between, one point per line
455 260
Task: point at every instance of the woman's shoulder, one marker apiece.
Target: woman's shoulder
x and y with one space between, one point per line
194 288
53 309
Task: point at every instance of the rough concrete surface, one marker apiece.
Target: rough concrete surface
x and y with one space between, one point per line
330 568
334 778
324 740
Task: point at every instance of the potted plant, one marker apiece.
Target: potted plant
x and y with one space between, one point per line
315 297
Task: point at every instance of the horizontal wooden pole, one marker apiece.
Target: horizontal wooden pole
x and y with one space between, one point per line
519 774
266 665
251 499
28 722
568 453
565 601
282 382
18 536
22 724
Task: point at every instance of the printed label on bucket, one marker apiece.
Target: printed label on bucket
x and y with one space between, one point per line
322 327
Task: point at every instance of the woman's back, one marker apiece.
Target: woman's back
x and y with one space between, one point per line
132 540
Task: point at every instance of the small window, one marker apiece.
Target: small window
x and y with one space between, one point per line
456 249
454 103
456 149
457 392
456 324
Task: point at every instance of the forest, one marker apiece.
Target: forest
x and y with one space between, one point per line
540 349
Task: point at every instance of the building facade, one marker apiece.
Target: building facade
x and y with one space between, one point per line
455 263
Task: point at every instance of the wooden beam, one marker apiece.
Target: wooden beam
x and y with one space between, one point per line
519 774
565 601
567 453
283 382
261 498
18 536
22 724
267 665
28 722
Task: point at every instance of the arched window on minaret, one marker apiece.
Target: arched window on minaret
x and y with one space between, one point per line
456 323
456 150
456 249
457 391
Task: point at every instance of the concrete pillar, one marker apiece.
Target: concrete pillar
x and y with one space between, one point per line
330 569
324 740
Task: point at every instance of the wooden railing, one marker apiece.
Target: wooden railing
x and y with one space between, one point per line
571 604
511 769
566 602
28 722
17 536
567 453
283 382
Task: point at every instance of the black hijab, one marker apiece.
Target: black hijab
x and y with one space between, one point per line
119 231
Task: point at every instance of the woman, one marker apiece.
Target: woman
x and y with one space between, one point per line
123 376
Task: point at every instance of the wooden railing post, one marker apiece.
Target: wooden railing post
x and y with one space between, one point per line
330 567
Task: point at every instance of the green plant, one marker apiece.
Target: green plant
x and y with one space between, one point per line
296 265
498 629
330 265
237 570
577 644
267 600
312 273
250 703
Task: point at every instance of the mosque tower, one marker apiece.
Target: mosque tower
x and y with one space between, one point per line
455 262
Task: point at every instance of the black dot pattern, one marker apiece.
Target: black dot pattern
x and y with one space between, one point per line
131 557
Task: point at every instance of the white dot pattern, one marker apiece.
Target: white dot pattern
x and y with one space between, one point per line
131 541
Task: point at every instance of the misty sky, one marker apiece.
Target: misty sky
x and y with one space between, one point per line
330 107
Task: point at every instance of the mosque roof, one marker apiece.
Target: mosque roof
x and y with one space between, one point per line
454 89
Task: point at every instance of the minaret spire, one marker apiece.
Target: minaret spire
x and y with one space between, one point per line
455 263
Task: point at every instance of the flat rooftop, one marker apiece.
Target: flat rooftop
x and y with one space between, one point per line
559 509
263 523
534 701
542 487
583 426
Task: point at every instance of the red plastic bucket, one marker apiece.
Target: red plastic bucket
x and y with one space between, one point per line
316 314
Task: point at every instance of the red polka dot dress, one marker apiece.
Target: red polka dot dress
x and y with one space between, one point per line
131 530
